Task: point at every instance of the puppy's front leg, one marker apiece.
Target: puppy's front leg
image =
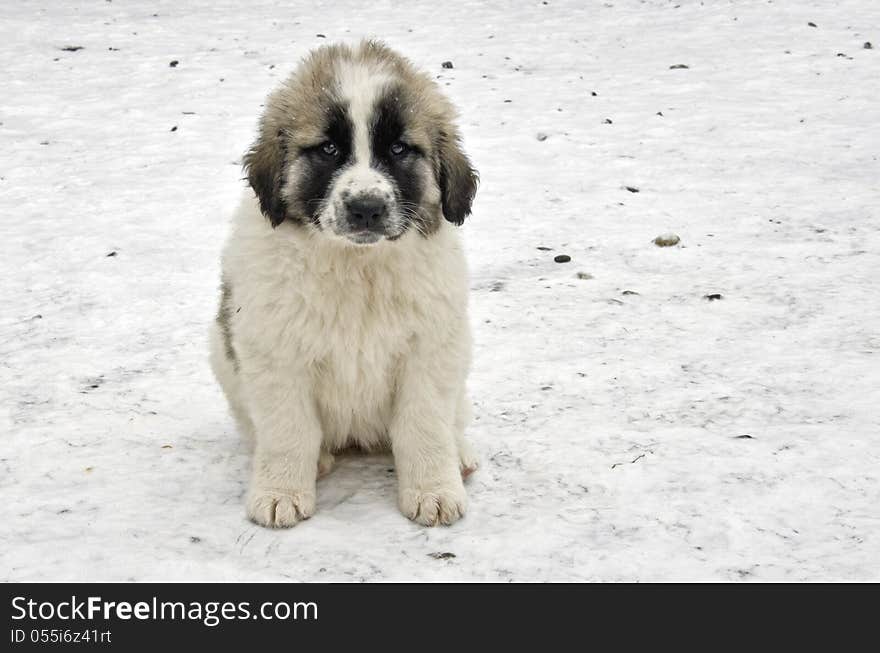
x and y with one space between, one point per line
288 445
430 489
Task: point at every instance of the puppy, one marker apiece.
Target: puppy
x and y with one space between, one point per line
343 312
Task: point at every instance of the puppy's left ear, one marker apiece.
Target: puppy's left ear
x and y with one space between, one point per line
457 179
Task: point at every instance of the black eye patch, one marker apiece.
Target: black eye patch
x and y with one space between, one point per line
321 166
337 133
386 130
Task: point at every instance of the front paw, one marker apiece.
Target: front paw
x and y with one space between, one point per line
279 508
431 504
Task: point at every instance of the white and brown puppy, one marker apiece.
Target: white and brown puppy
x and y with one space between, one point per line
343 317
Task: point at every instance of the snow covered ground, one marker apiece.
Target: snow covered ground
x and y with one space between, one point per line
630 428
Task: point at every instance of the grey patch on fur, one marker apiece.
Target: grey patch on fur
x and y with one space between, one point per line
224 321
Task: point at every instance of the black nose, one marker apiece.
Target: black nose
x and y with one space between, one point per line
365 212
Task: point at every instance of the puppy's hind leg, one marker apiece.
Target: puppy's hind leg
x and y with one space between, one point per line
224 367
469 460
325 463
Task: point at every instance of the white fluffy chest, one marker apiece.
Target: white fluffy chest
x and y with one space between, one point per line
355 338
346 319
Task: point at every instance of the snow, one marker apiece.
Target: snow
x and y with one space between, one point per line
611 424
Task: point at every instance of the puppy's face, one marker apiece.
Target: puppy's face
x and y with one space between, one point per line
361 147
369 176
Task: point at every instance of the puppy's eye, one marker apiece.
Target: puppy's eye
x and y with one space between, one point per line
329 149
398 148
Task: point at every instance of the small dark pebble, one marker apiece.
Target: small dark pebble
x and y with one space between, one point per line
113 49
113 253
188 113
713 296
94 386
667 240
497 286
447 64
37 317
841 54
743 437
445 555
659 113
868 46
594 94
321 36
174 129
629 292
679 66
63 511
544 249
44 142
541 136
632 189
173 64
812 24
508 101
607 121
72 48
194 539
562 258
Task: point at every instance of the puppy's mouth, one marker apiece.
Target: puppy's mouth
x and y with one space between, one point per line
365 236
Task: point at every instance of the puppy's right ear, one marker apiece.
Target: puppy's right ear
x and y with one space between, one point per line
264 165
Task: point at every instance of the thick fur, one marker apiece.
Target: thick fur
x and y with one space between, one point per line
326 336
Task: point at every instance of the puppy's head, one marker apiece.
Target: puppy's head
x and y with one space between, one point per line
360 146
